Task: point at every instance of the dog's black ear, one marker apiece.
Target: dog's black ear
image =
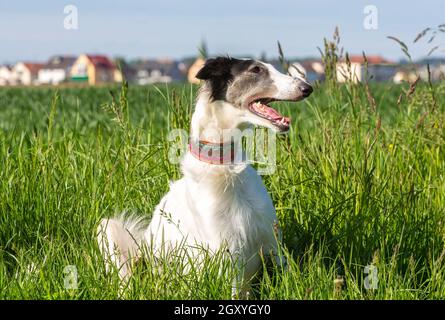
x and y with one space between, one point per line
216 68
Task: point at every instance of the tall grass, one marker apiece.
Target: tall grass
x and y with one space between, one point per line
359 182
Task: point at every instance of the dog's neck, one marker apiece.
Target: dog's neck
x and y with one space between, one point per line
215 121
214 127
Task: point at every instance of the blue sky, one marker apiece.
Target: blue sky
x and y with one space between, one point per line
172 28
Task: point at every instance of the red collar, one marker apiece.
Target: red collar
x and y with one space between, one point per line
213 153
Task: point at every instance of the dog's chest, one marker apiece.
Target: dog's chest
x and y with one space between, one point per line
239 214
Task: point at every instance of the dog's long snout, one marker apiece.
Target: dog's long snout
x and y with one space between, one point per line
306 89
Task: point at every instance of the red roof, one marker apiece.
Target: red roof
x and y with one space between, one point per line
101 61
33 67
375 59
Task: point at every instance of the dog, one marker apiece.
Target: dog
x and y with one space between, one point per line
218 202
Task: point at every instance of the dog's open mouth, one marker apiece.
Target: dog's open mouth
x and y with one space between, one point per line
262 109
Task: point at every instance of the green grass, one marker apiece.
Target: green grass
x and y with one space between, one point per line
357 183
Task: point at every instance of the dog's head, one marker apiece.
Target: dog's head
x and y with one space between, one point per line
250 86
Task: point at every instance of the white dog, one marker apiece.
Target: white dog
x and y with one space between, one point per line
219 201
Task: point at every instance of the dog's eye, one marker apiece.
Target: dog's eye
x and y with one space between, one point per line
255 69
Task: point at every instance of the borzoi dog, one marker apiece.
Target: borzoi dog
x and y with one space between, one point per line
218 202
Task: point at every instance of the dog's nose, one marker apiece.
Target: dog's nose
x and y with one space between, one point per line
306 90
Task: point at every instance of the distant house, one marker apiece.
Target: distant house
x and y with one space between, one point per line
5 75
311 70
297 70
194 69
436 72
94 69
26 73
57 70
379 69
406 73
124 70
157 71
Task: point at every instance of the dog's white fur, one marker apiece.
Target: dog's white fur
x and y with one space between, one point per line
212 205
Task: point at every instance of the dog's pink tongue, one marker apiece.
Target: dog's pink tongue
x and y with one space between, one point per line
268 111
276 116
271 112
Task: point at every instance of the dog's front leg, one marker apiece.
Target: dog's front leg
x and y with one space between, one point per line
276 248
275 256
240 286
240 290
281 261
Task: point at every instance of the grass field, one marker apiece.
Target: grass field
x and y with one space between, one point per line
360 182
